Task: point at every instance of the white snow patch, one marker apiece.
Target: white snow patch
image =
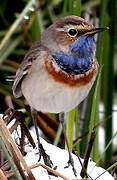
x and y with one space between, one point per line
59 158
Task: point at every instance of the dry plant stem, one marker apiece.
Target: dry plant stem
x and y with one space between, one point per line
45 126
10 142
19 116
44 122
49 120
52 171
8 146
14 126
85 133
25 128
82 165
8 119
1 157
48 169
8 102
2 175
87 155
17 163
79 159
8 116
10 160
12 63
5 166
22 139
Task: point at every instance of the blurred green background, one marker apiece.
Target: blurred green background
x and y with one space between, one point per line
23 21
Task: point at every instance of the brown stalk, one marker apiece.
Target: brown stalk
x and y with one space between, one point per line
56 173
50 132
5 166
7 138
8 102
12 63
2 175
86 132
54 124
87 155
20 119
17 163
14 126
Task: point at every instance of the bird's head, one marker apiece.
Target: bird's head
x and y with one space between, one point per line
71 41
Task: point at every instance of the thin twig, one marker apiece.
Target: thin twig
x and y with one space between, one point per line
48 169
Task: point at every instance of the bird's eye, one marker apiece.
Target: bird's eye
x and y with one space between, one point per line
72 32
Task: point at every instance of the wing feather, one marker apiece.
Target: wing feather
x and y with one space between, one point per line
32 54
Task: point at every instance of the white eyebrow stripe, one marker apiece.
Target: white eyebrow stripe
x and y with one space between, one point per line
60 29
66 28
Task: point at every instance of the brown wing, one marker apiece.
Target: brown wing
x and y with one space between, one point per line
32 54
18 79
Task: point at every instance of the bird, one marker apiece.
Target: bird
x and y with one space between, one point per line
58 71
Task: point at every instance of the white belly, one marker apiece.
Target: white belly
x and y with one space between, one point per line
46 95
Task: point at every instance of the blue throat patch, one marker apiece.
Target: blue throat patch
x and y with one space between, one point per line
81 57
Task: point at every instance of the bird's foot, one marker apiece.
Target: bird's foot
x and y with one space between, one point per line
71 163
46 158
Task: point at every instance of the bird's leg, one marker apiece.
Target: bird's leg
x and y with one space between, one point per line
70 162
42 152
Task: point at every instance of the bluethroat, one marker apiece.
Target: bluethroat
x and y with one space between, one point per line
59 70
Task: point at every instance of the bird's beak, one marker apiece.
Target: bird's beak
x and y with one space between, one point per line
96 30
